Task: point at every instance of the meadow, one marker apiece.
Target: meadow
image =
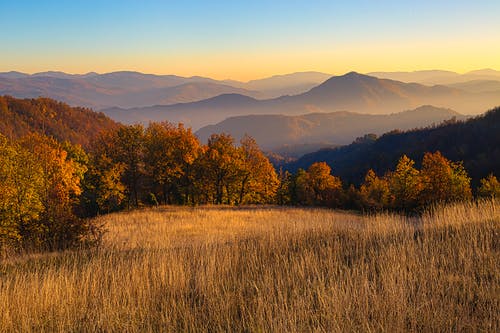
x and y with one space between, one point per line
261 269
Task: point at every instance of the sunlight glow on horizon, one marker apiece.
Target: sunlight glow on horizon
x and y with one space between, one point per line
224 40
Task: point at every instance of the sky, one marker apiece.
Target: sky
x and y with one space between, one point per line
245 40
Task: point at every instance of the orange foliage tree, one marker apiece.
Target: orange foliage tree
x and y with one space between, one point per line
443 180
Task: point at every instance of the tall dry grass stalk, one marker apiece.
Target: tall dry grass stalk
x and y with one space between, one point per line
266 269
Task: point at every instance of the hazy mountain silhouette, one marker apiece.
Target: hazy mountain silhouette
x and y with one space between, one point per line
431 77
478 86
287 84
352 92
123 89
272 131
130 89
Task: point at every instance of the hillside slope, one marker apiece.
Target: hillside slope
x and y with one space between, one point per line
476 142
19 117
271 131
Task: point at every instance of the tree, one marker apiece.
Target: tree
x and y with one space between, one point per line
20 198
57 225
374 192
326 189
317 186
490 187
301 193
159 156
405 184
285 188
257 178
219 169
443 180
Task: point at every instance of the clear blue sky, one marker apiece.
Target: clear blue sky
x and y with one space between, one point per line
244 40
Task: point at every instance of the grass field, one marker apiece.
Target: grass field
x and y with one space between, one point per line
266 269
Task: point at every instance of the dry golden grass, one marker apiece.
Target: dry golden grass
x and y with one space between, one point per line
266 269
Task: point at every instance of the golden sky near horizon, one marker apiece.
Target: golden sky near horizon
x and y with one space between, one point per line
244 41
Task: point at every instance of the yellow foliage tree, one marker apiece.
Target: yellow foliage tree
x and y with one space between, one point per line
374 192
257 177
405 184
490 187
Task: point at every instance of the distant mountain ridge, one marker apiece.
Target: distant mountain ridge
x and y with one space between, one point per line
338 128
432 77
352 92
129 89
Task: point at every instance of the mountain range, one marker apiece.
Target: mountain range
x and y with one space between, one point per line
128 89
350 92
433 77
334 128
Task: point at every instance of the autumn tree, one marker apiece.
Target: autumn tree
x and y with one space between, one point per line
20 195
374 192
170 152
443 180
301 189
103 190
327 189
219 169
257 178
188 150
129 151
125 148
161 164
490 187
285 188
405 184
59 188
317 186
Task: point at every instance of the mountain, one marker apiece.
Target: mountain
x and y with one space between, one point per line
128 89
478 86
432 77
195 114
363 93
476 142
47 116
352 92
13 75
340 128
288 84
121 89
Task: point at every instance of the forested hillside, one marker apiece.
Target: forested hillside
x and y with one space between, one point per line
19 117
476 142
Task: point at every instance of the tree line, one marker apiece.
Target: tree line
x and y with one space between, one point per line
475 141
48 189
